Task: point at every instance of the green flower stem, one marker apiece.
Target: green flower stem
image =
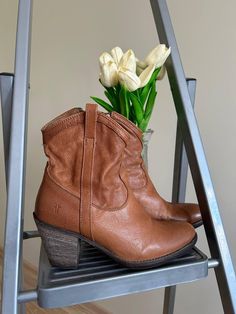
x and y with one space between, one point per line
124 102
138 107
150 100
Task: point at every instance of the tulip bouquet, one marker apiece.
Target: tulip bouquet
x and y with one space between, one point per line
130 84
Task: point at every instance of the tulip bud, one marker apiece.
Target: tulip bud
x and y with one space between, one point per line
117 54
140 66
105 58
129 79
128 61
146 75
158 55
138 70
108 76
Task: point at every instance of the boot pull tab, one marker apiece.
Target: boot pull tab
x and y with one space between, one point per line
90 121
87 169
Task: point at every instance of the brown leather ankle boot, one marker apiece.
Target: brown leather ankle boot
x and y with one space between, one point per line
84 195
141 184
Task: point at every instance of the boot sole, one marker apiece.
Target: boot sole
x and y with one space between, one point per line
63 249
197 224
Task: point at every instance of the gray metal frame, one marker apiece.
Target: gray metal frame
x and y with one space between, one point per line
6 89
179 187
100 277
217 242
16 165
14 100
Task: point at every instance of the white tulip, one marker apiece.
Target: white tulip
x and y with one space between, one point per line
128 61
146 75
108 76
138 70
140 66
129 79
117 54
158 55
104 58
119 67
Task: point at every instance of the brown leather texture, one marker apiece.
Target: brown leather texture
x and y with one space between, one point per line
142 186
56 205
86 189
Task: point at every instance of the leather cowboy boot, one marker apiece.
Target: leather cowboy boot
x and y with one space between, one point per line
85 195
142 186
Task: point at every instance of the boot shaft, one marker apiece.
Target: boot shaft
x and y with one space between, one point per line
133 161
71 146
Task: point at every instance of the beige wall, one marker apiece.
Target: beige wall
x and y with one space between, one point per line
67 38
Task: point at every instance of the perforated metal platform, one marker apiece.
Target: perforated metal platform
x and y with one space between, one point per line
99 277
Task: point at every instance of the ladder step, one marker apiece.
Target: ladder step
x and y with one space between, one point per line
213 263
30 234
99 277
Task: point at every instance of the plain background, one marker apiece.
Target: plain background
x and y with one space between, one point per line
68 37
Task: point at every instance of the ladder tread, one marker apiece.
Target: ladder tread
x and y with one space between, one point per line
99 277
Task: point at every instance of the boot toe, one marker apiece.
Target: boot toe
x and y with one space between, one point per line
194 214
171 240
187 212
179 234
196 217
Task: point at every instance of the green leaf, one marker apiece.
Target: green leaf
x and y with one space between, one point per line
117 89
110 90
102 103
144 123
132 115
124 102
112 100
138 108
150 100
144 91
155 75
137 93
149 107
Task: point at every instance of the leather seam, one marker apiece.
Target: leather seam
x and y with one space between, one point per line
47 135
81 217
118 129
53 130
87 164
51 125
117 133
128 125
91 188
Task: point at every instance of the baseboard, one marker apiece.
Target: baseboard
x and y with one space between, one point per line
30 277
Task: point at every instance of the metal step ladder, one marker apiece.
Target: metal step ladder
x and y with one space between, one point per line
99 277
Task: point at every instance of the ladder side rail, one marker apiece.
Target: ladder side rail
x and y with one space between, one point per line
6 94
225 273
181 160
16 168
6 91
180 174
